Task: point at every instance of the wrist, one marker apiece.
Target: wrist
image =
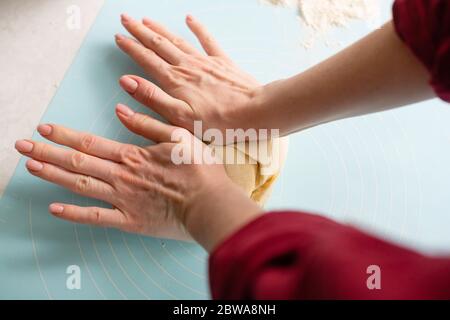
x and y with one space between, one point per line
259 106
217 211
268 107
251 114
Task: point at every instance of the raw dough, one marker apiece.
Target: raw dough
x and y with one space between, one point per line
257 174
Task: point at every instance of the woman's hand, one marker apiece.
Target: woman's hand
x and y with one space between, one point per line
194 86
149 193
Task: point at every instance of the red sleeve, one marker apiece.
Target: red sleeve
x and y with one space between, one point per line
424 25
292 255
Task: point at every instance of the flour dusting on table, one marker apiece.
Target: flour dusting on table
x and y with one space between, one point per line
320 16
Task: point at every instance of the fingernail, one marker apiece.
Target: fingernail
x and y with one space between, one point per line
44 129
24 146
146 21
129 84
34 165
125 18
189 17
119 37
124 110
56 208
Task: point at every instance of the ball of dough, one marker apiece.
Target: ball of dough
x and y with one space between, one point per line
255 165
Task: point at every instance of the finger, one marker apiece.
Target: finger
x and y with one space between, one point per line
144 57
74 161
209 44
175 111
152 40
78 183
180 43
110 218
84 142
144 125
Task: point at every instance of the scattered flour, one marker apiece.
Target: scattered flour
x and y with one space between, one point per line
320 16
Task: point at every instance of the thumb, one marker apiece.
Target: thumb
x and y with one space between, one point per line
174 110
144 125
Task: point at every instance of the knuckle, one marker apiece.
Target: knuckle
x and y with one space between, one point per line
114 171
156 40
121 175
140 121
129 152
96 215
83 184
208 69
128 182
182 116
87 142
193 63
209 39
148 93
126 150
171 78
177 41
43 151
173 74
161 68
76 160
223 62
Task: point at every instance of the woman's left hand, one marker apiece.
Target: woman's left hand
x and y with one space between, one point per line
149 193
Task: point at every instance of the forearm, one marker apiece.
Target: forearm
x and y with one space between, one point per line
375 74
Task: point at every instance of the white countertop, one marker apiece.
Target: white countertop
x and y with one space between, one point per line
37 47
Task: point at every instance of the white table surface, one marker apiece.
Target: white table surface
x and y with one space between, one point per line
37 47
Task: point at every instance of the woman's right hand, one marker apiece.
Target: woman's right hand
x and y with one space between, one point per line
194 86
